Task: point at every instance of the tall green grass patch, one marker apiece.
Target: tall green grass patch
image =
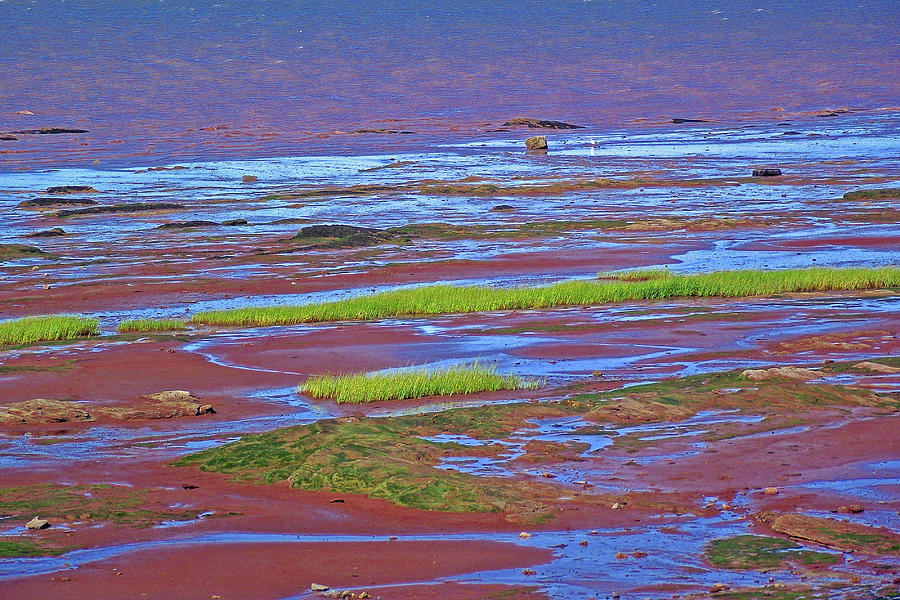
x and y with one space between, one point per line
445 299
397 385
46 329
150 325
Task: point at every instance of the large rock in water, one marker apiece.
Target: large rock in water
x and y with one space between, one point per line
767 172
539 124
537 142
70 189
55 202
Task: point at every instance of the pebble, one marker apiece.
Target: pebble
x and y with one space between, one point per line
318 587
771 491
524 535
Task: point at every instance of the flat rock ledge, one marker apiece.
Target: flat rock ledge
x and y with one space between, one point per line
163 405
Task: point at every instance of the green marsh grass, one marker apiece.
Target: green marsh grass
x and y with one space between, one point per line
46 329
150 325
418 383
445 299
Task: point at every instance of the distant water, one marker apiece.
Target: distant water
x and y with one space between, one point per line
158 81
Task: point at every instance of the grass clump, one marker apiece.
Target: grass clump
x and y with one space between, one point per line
445 299
761 552
151 325
397 385
46 329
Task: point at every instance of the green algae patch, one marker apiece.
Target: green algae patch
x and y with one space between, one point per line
379 458
754 552
833 533
118 504
418 383
19 547
873 194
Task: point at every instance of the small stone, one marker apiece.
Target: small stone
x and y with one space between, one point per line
248 178
621 555
524 535
582 543
617 506
771 491
547 475
393 538
537 142
843 510
638 554
529 572
364 595
347 594
318 587
726 507
719 587
855 508
37 523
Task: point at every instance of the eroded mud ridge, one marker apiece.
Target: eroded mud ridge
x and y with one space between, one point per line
653 435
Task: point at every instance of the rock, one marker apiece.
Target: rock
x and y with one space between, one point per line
364 595
118 208
719 587
233 222
37 523
524 535
55 232
13 251
771 491
621 555
384 131
876 367
617 506
502 208
639 554
53 202
70 189
40 410
537 142
249 178
843 510
855 508
781 372
539 124
342 236
529 572
188 224
50 131
766 172
8 137
678 120
318 587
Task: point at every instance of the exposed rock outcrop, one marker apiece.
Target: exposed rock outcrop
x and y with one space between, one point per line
539 124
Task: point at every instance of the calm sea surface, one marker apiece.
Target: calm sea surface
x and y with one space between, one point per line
159 81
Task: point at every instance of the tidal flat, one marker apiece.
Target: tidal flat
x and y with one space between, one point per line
334 326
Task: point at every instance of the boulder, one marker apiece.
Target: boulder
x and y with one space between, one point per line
37 523
318 587
8 137
539 124
767 172
248 178
537 142
233 222
502 208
